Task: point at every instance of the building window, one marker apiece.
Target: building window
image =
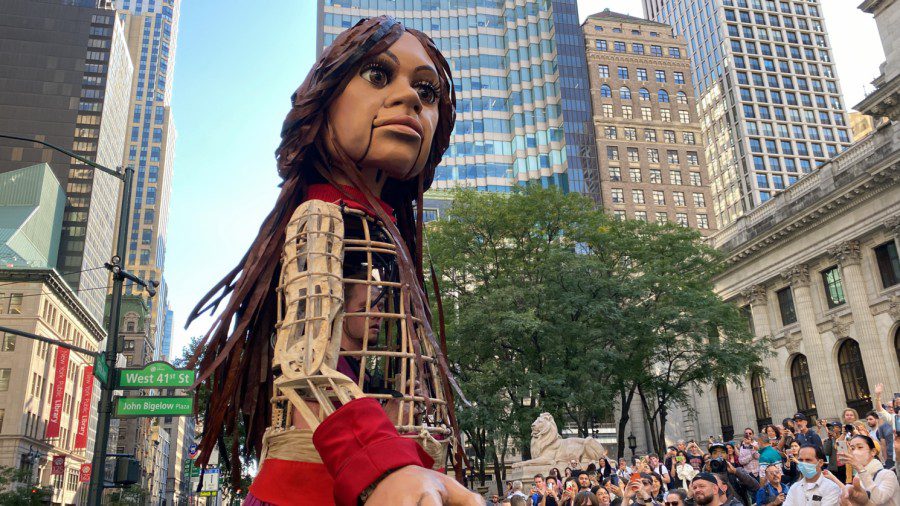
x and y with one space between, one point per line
660 76
684 116
695 179
834 288
623 72
699 200
665 115
681 98
674 52
601 45
609 132
612 153
675 176
627 112
642 75
619 214
605 91
656 174
607 110
618 196
853 376
662 96
702 221
625 93
618 47
646 114
633 155
786 306
672 157
649 135
888 264
659 197
629 133
603 70
656 50
678 198
4 379
15 303
724 412
760 401
637 196
653 155
679 79
640 215
635 175
615 174
7 342
803 390
662 218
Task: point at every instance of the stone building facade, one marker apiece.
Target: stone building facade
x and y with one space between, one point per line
649 143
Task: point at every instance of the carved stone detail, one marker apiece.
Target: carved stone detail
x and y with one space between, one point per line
846 253
797 275
756 295
893 225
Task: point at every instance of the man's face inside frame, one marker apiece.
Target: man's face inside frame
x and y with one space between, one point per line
355 329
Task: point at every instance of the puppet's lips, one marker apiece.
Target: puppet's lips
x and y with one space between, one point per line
406 124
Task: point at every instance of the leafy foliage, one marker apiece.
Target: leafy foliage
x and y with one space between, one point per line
554 306
17 488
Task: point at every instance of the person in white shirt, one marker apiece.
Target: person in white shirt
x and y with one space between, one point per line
873 485
813 487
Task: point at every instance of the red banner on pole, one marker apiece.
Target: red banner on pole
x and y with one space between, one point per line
84 409
84 474
59 466
59 389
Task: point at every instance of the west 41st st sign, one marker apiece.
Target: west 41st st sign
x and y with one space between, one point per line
155 375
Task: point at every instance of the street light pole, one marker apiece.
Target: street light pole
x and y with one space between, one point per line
104 407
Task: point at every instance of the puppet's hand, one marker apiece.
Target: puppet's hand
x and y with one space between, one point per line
414 485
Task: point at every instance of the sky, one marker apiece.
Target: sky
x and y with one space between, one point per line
236 67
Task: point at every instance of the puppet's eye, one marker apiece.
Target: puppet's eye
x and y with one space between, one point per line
428 92
375 74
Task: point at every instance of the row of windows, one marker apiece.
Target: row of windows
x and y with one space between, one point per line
770 6
655 177
662 217
622 73
636 48
633 155
659 197
811 132
662 96
630 133
888 267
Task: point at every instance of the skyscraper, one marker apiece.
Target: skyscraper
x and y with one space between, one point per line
523 110
768 93
66 74
152 32
650 148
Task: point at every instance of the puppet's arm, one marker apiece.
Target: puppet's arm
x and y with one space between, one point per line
310 310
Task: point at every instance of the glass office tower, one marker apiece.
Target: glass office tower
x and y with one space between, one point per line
519 69
769 95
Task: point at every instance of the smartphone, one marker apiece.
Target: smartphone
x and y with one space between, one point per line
679 459
842 445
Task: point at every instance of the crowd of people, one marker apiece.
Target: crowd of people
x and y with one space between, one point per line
828 462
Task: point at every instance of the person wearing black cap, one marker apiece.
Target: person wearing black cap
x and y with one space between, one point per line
710 490
804 435
739 485
831 448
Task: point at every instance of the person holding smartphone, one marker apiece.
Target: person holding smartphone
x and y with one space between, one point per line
774 492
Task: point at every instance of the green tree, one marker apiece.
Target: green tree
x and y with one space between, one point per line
228 486
17 488
555 306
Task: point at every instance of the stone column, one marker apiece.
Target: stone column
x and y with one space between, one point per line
871 346
778 388
820 369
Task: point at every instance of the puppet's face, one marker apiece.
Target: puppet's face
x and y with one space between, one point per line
386 116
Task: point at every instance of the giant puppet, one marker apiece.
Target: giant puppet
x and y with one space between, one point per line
324 346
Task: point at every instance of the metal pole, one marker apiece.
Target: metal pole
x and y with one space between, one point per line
104 407
61 344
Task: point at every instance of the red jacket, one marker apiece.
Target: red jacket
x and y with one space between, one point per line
357 443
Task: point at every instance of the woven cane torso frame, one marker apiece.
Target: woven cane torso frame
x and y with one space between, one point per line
328 250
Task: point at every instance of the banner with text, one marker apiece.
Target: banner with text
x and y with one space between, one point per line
58 467
84 409
59 390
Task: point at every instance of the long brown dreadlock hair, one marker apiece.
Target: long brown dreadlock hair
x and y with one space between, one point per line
235 356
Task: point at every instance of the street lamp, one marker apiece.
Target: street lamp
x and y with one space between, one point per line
104 406
632 444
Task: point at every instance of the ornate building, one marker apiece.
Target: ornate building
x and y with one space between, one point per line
817 272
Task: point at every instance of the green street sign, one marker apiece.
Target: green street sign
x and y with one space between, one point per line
208 493
127 407
155 375
190 469
101 370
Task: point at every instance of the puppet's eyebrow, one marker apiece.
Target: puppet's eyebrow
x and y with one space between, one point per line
392 56
429 68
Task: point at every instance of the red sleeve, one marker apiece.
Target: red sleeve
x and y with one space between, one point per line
358 444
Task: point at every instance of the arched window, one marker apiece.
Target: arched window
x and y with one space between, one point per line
681 97
760 400
605 91
624 93
644 94
663 95
853 376
724 412
803 390
897 344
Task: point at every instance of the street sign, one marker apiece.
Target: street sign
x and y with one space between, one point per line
190 469
208 493
127 407
84 475
210 482
155 375
101 370
192 450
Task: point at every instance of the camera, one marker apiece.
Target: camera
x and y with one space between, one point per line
717 465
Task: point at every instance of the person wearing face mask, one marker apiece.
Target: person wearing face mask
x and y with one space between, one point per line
872 484
813 487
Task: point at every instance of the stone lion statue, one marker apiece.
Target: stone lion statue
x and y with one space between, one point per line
548 446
